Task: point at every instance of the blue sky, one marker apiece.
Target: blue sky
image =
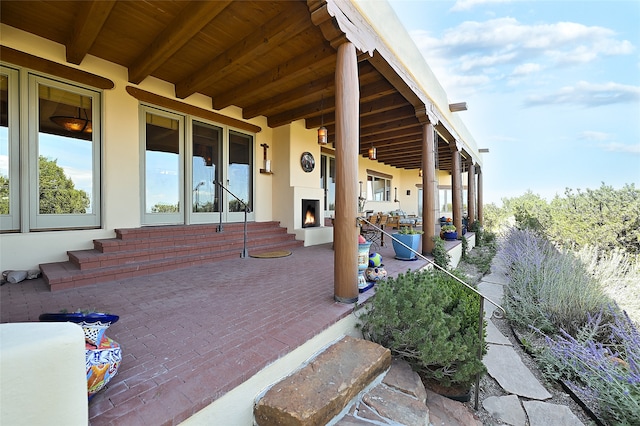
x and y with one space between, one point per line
552 87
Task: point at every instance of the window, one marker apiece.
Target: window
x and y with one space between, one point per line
378 186
328 182
183 163
61 174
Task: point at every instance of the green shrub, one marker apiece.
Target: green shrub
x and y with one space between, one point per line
430 320
440 255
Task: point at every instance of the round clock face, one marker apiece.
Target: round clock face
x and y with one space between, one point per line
307 162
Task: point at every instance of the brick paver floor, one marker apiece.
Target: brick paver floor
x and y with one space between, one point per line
191 335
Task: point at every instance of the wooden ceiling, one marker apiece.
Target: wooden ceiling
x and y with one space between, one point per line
266 57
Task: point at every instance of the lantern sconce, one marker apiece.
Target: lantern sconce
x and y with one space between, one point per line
267 163
395 200
419 172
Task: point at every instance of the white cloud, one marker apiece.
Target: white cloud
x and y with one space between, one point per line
526 69
588 95
591 135
461 5
490 47
620 147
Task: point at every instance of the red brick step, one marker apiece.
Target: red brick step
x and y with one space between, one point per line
149 250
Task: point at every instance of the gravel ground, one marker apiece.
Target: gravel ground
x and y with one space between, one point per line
490 387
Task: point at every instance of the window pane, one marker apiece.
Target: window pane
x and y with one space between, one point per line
5 206
240 166
65 152
207 142
162 164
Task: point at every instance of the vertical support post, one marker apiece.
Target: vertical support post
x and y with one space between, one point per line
347 140
428 188
480 198
471 192
456 190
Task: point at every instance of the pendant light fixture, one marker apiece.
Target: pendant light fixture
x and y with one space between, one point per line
373 153
323 134
73 124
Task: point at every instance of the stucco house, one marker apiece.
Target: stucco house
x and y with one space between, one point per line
129 115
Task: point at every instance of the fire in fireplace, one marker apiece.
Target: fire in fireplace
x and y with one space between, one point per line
310 213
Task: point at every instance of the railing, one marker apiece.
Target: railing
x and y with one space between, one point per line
482 297
244 253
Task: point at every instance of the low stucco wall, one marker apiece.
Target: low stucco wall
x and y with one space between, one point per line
42 374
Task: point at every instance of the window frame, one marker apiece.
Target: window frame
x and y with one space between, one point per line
38 221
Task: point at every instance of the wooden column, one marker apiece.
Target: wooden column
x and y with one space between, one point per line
456 188
428 188
480 200
345 240
471 192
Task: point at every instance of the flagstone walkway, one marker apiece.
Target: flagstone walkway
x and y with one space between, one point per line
525 403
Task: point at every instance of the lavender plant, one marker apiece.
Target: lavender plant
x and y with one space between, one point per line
601 364
549 289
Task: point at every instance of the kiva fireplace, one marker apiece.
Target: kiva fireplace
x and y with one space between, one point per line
310 213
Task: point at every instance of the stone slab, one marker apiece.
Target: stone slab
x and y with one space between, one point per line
544 414
497 274
495 336
320 390
447 412
398 407
506 409
504 365
402 377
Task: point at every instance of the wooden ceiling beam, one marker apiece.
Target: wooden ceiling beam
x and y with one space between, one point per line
300 66
275 32
193 18
323 87
87 25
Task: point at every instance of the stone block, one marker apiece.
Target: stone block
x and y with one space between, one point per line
321 389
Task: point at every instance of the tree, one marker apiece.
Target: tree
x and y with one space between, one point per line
57 192
4 195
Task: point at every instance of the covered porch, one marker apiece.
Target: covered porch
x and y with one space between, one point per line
191 336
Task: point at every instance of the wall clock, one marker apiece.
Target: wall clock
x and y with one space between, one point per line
307 162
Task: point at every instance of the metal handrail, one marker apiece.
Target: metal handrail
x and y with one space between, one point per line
482 297
244 253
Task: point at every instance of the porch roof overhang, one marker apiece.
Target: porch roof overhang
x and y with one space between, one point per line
274 59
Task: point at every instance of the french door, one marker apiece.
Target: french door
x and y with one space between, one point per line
185 162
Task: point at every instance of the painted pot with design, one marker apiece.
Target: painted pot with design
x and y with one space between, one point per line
103 355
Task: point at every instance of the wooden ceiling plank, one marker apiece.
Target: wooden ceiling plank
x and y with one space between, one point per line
178 33
254 45
274 104
87 25
296 68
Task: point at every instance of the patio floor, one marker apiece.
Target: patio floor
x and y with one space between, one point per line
189 336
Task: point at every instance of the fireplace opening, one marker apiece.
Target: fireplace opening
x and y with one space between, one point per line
310 213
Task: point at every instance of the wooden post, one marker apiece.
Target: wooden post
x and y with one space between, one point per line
471 192
345 240
428 188
456 188
480 196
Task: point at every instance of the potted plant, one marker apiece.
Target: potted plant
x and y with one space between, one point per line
430 320
406 237
449 232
